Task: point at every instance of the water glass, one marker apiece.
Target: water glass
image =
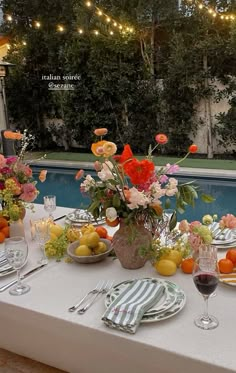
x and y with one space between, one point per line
16 251
206 277
50 205
42 234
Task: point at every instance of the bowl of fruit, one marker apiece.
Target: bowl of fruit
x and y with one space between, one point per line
90 248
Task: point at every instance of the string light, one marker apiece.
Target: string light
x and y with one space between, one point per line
80 31
24 43
214 13
9 18
37 24
60 28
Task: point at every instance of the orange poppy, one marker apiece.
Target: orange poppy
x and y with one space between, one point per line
97 148
193 148
43 175
79 174
12 135
100 131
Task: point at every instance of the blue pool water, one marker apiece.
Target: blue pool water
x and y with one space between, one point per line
62 183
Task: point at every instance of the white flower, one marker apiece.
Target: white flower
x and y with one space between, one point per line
87 183
171 188
111 214
106 173
137 199
156 191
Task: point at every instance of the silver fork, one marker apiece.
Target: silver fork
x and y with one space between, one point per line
103 290
91 292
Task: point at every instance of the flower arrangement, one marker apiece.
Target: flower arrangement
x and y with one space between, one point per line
131 189
17 187
198 234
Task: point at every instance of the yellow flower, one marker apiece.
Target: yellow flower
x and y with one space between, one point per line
109 149
97 148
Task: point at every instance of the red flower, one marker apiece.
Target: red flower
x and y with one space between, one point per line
125 156
161 138
139 171
193 148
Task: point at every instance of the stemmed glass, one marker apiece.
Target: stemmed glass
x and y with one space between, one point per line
42 233
50 205
16 251
206 277
168 215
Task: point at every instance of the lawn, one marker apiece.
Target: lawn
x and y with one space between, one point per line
224 164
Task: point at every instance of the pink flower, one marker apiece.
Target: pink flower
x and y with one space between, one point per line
163 179
228 221
161 138
97 166
11 160
171 169
29 192
43 175
2 161
184 226
194 224
195 241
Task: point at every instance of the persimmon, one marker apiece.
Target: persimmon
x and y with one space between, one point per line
101 231
225 265
231 255
3 222
187 265
113 223
5 231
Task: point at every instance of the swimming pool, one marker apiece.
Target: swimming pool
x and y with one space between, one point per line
61 182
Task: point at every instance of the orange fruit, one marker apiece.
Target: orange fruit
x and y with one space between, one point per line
3 222
187 265
5 231
113 223
102 232
225 265
231 255
2 237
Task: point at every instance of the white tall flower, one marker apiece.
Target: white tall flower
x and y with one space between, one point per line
87 183
106 173
111 214
137 199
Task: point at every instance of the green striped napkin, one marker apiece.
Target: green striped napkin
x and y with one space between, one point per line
127 310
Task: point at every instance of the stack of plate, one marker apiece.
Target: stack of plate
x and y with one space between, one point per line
5 267
171 302
80 217
223 239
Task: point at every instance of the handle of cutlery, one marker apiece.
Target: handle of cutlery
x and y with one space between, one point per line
5 287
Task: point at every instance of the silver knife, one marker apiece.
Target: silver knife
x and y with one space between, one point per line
5 287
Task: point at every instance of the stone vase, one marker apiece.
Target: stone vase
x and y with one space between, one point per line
127 242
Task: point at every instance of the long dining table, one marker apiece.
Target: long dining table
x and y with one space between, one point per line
38 325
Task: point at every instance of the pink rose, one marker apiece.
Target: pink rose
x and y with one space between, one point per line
29 192
184 226
194 224
195 241
228 221
2 161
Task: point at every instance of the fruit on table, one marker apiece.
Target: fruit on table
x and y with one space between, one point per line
102 231
56 229
174 255
90 239
100 248
83 250
231 255
87 228
73 234
225 265
187 265
4 229
165 267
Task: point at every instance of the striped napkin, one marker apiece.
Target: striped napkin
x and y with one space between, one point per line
127 310
220 234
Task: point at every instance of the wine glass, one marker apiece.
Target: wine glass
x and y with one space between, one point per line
16 251
50 205
42 234
168 215
206 277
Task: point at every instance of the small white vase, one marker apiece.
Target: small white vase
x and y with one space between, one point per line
17 228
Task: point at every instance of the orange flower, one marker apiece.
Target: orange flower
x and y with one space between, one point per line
97 148
193 148
139 171
100 131
79 175
161 138
109 149
12 135
43 175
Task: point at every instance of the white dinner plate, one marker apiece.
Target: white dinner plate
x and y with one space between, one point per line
228 283
169 305
80 217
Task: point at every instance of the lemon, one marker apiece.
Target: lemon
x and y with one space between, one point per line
100 248
90 239
83 250
88 228
174 255
73 234
56 229
165 267
53 237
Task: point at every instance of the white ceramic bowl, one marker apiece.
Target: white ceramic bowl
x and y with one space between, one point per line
88 259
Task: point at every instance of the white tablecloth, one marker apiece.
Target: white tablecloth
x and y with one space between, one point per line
38 325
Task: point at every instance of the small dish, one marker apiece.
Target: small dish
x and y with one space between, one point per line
88 259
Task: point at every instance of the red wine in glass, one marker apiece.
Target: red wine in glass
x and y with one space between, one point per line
205 278
206 283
